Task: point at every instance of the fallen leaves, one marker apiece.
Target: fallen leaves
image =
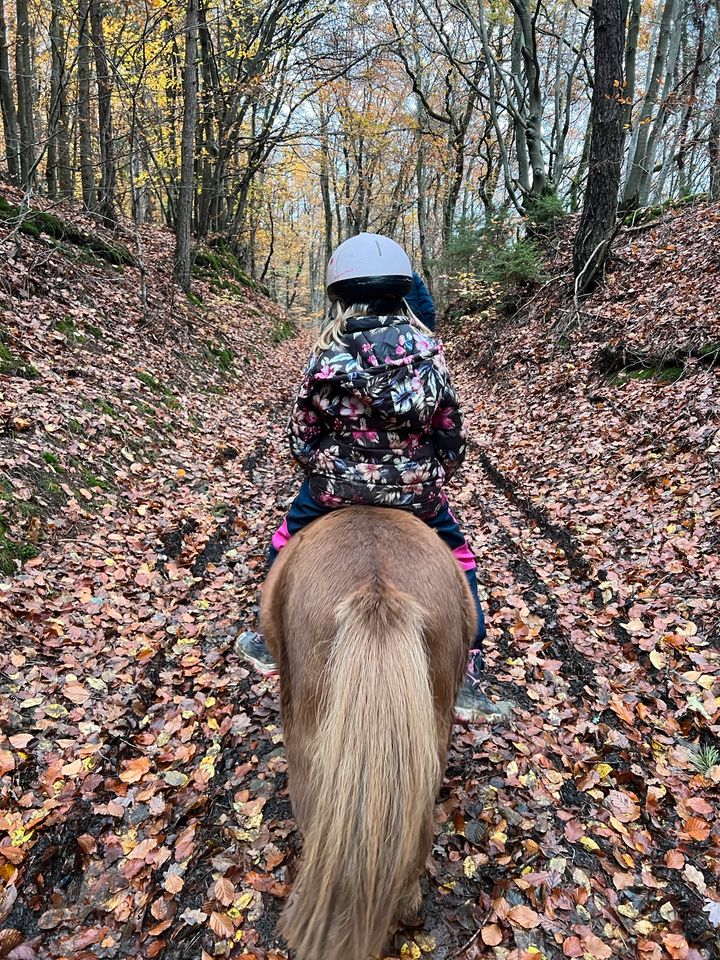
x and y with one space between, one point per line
524 917
143 756
135 770
491 934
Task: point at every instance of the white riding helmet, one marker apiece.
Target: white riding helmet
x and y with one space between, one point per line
368 268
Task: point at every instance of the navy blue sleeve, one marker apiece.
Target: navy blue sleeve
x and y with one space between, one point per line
421 303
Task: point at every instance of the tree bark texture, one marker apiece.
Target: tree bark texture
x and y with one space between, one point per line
108 176
7 102
87 172
638 171
597 221
186 193
23 71
58 173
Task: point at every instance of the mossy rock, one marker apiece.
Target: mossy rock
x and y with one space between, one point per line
35 223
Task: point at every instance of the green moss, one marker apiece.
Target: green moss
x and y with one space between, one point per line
107 408
68 328
14 366
223 356
52 459
167 396
150 381
37 222
91 480
663 373
710 351
219 261
12 553
282 329
195 300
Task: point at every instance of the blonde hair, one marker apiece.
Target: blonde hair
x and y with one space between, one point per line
336 323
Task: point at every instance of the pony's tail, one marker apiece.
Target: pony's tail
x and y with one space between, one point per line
375 773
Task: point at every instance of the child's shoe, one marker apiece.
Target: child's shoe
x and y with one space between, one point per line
251 646
472 704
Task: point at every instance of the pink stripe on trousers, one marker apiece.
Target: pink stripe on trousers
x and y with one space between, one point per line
463 554
281 536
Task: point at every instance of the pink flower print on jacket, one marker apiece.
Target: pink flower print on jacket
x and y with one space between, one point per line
353 408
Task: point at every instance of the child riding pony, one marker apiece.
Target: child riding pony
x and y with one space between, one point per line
376 421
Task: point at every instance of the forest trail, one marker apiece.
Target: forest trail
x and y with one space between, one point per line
144 807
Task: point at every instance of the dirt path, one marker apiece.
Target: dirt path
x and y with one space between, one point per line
150 814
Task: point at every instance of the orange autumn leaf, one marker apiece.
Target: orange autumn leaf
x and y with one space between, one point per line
675 859
7 762
596 949
224 891
173 883
491 934
524 917
695 829
221 924
622 806
76 693
676 945
135 769
572 947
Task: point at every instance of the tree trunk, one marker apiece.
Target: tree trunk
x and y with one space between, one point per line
534 114
700 16
325 187
714 145
106 190
87 173
57 106
9 115
184 253
523 161
631 61
638 165
657 128
23 70
597 222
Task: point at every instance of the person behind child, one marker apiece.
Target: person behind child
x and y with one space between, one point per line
376 421
421 303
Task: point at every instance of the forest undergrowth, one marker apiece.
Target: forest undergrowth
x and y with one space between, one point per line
143 467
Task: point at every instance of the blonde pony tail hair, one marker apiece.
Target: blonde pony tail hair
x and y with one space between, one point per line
336 323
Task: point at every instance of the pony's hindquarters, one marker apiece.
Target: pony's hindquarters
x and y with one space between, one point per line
369 673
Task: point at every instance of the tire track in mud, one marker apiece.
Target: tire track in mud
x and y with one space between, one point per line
531 535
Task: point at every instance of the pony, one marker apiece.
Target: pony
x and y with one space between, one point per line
370 619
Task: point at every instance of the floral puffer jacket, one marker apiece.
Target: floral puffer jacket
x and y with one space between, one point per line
376 420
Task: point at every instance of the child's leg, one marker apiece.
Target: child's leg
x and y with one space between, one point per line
303 511
447 527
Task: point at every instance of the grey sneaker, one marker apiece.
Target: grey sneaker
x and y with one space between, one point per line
252 647
472 704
